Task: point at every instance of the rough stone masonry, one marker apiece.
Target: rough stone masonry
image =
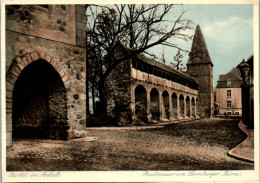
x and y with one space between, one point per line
45 71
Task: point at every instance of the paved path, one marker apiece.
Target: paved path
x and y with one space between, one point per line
245 150
49 149
187 146
155 126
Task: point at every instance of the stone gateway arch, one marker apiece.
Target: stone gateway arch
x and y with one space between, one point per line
45 72
36 98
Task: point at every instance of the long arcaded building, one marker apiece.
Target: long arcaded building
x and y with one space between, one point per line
143 89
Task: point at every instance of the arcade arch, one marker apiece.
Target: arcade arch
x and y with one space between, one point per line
165 106
155 106
141 103
181 107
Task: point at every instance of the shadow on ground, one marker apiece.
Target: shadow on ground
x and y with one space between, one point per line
198 145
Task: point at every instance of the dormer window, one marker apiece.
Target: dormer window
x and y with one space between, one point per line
228 83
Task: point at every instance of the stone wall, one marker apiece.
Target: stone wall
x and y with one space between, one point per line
203 73
70 60
49 36
119 94
81 21
55 23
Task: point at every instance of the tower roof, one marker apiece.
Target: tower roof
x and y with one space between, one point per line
199 52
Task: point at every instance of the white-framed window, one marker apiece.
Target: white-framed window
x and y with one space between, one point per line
236 113
228 83
229 104
228 93
229 113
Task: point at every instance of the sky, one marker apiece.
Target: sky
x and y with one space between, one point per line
227 30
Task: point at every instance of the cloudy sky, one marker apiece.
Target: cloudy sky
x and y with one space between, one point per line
228 32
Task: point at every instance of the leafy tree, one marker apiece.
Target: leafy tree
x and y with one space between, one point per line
136 28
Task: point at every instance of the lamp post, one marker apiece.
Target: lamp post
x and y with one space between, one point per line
244 69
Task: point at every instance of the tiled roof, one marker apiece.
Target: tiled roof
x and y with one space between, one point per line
199 53
165 67
233 76
121 48
234 84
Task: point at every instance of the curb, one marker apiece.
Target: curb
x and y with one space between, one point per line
231 152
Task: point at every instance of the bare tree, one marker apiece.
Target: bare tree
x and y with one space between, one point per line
135 27
178 62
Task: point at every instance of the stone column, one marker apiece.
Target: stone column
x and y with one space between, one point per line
161 108
195 109
170 108
148 94
133 102
178 107
185 112
190 107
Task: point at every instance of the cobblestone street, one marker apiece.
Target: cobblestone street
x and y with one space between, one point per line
197 145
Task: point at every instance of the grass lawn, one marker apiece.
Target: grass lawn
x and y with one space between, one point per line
198 145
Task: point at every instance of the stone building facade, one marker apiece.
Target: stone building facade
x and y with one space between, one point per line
200 67
228 93
45 71
147 91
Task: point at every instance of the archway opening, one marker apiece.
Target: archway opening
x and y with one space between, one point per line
154 108
174 105
141 103
193 106
165 109
181 100
39 103
188 113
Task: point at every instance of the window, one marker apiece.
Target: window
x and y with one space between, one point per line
236 113
228 93
228 104
155 72
228 83
159 74
134 64
229 113
144 68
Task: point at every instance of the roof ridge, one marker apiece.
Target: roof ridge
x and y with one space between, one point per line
235 76
165 65
250 56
